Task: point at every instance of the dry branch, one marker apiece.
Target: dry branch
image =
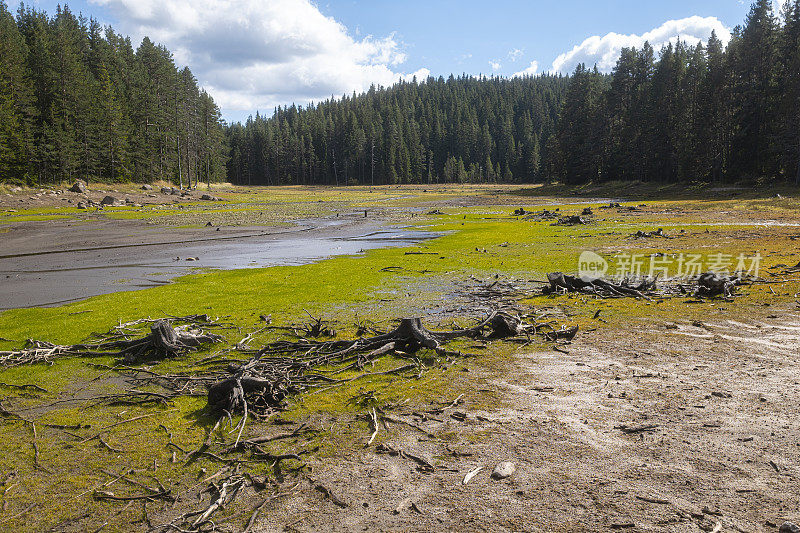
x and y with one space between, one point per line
163 341
284 367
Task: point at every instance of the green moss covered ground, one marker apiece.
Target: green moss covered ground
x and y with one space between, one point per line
480 239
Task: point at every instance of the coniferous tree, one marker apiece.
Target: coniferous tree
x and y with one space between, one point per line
76 100
16 100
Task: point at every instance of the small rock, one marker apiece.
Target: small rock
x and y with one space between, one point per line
147 187
192 258
504 470
81 205
79 186
109 200
789 527
175 192
166 190
207 197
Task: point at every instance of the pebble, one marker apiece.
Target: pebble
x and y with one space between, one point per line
504 470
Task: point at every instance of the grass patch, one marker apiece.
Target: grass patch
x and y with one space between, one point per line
379 285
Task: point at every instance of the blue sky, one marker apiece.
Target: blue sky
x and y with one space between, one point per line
255 54
439 33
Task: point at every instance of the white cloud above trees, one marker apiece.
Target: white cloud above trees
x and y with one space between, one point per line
532 69
605 50
251 54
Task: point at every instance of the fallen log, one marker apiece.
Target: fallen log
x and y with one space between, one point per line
560 282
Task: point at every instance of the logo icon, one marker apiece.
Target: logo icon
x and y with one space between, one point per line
591 266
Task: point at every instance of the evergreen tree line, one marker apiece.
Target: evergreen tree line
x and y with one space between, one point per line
77 101
705 112
462 129
701 112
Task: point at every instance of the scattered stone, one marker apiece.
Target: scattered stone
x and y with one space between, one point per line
209 197
586 211
109 200
193 259
504 470
175 192
789 527
81 205
520 212
147 187
79 186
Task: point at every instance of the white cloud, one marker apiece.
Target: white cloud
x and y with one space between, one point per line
530 71
515 54
604 51
421 75
255 54
495 65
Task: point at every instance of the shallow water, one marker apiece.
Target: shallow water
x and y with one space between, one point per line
39 280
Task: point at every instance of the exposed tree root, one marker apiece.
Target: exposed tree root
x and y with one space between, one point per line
708 285
283 367
163 342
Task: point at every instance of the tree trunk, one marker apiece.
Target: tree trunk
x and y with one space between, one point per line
797 176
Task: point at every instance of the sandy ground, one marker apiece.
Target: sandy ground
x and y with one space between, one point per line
713 442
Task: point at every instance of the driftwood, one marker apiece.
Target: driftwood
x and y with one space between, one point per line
162 342
572 220
707 285
650 234
711 284
282 368
560 282
544 214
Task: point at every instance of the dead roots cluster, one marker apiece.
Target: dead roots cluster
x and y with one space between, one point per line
164 341
286 367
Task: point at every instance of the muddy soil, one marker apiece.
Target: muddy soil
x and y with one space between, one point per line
55 262
657 427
